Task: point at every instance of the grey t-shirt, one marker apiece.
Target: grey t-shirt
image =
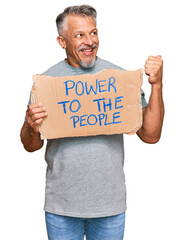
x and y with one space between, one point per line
85 175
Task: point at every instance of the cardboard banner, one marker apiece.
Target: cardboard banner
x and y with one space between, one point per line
108 102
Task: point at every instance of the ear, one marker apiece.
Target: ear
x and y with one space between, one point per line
61 42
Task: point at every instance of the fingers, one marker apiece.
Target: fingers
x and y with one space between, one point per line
155 57
153 68
35 115
150 71
157 60
154 62
35 105
35 109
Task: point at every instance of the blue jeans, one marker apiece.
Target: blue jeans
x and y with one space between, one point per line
61 227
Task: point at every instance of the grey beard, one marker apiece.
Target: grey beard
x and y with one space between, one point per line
87 64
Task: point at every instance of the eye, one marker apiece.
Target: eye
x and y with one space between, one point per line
94 33
79 35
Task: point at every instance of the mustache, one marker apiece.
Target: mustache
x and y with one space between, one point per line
87 46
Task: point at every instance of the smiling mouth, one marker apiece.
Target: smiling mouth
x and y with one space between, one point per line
87 50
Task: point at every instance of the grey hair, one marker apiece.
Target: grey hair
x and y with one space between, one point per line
82 10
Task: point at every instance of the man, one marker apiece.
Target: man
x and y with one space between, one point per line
85 184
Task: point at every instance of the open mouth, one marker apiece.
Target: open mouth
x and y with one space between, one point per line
87 51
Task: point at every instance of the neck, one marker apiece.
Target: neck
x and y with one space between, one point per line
68 61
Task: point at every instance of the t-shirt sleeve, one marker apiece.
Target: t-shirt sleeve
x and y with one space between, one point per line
144 103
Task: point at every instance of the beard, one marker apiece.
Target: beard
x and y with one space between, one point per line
87 64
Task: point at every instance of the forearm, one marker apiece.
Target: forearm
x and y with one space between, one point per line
150 131
30 139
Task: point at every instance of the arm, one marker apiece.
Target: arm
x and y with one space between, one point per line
30 135
153 114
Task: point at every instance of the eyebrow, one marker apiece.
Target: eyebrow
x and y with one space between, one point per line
80 31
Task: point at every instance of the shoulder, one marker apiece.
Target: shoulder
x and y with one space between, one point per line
52 71
107 64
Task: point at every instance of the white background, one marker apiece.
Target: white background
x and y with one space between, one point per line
129 31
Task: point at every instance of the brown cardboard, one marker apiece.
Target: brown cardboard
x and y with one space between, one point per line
115 108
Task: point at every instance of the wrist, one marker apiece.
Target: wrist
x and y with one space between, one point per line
33 132
157 85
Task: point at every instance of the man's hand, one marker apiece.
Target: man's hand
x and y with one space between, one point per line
30 135
154 69
35 115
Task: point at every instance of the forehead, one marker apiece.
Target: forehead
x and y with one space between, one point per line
80 23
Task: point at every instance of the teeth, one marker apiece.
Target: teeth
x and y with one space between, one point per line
85 50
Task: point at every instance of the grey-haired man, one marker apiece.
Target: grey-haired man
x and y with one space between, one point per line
85 183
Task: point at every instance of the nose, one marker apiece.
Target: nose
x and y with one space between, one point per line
88 40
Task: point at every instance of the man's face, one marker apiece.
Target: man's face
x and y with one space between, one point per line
81 41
